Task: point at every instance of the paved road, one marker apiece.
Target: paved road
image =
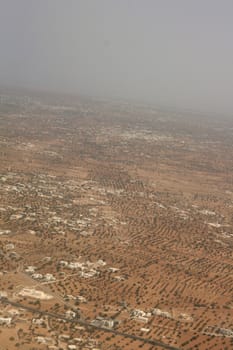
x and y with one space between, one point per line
89 325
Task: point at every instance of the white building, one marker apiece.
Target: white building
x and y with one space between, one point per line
30 269
49 277
5 321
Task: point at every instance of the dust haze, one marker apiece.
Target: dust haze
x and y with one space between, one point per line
171 53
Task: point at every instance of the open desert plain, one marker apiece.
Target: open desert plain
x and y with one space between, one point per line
116 226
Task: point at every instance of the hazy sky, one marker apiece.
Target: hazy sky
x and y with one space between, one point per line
169 52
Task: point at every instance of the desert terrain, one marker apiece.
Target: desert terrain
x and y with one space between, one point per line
116 226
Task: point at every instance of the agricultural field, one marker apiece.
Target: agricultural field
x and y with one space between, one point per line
116 226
